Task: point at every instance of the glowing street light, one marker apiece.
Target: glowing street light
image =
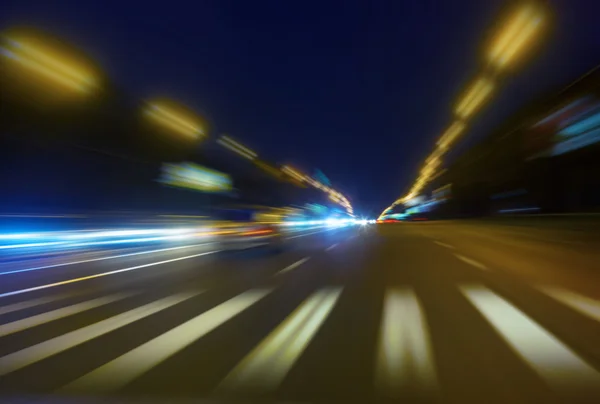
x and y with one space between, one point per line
237 147
516 34
332 194
437 154
474 97
32 60
451 134
293 173
174 119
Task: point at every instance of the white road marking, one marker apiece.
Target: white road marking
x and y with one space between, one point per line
33 321
124 369
444 244
32 303
582 304
99 259
469 261
404 357
293 266
548 356
85 278
267 365
331 247
35 353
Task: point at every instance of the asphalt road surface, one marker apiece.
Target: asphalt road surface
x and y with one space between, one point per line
438 312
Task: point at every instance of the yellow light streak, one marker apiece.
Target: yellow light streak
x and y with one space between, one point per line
517 32
49 64
239 146
475 97
451 134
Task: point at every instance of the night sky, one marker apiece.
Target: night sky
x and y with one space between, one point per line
358 89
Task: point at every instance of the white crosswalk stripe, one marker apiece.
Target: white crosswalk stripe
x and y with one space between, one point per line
43 350
32 303
267 365
404 355
548 356
580 303
33 321
138 361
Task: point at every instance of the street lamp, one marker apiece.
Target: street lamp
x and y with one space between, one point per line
169 116
237 147
516 34
474 97
37 61
293 173
451 134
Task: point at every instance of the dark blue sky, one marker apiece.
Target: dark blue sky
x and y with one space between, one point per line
359 89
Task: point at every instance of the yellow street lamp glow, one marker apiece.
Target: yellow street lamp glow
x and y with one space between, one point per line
451 134
293 173
436 155
174 120
238 147
474 97
512 39
235 150
519 30
49 64
432 163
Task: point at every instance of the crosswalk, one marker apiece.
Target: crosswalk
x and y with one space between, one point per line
548 356
267 365
404 357
146 356
404 347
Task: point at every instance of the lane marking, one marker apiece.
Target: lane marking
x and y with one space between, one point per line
268 364
35 353
583 304
444 245
404 357
124 369
293 266
471 262
116 271
32 303
331 247
548 356
16 271
43 318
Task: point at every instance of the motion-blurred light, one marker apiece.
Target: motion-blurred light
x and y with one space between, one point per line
173 118
37 63
516 35
475 97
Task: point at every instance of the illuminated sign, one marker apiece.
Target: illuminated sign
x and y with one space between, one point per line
415 201
572 127
193 176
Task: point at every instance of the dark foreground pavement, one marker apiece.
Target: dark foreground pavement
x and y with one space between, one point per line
450 312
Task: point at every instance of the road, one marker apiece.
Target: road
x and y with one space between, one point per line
438 312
